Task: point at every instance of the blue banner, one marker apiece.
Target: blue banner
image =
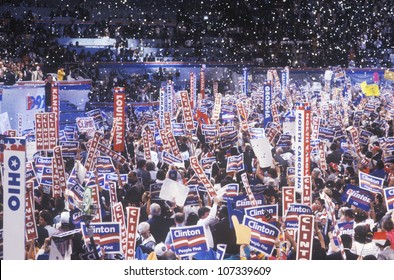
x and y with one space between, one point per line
188 240
357 197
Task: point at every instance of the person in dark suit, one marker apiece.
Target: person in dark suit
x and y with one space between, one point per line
347 242
223 233
159 223
48 93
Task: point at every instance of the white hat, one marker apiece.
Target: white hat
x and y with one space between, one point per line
65 217
160 249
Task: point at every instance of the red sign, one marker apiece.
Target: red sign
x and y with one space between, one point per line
202 176
45 125
118 216
146 143
307 191
92 151
305 237
173 145
119 114
59 175
55 105
96 201
31 227
202 82
288 197
187 111
133 214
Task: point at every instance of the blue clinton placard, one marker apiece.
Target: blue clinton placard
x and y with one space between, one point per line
105 234
294 211
188 240
357 197
263 235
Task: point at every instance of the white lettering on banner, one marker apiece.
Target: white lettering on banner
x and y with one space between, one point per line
390 192
119 103
133 214
14 179
299 209
187 232
304 248
202 176
187 112
260 212
247 203
358 195
102 229
261 228
307 191
370 179
267 101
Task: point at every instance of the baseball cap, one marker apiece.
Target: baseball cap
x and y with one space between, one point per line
160 249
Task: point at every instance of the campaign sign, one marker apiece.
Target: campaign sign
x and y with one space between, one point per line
263 235
105 234
242 201
326 134
77 190
69 148
239 203
209 129
155 191
346 228
284 141
178 129
293 212
235 163
70 132
229 191
113 177
171 159
192 197
14 182
357 197
104 165
42 162
47 176
389 196
188 240
206 163
305 237
256 132
260 212
370 183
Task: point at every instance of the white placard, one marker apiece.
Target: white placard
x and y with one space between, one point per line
262 150
172 190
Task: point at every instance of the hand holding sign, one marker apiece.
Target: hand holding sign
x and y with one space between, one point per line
242 232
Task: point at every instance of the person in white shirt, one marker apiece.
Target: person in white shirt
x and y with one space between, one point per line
207 216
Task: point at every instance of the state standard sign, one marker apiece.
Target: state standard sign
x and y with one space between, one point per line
14 198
